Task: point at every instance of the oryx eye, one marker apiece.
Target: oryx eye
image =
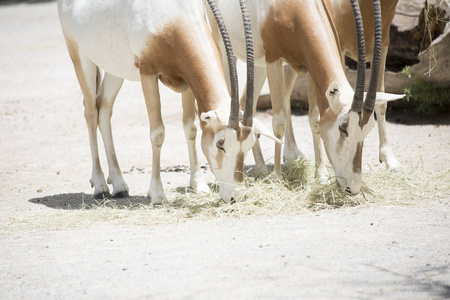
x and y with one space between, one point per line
343 129
220 144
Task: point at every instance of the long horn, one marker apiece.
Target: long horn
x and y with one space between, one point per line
248 112
233 121
376 60
361 67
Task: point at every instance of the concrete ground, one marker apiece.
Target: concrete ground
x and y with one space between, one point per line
363 252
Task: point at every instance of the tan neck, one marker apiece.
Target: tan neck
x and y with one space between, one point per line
303 34
184 56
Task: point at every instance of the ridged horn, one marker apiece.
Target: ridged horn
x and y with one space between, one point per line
369 103
233 121
361 67
248 111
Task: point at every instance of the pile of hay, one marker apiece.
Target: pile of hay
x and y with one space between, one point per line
298 192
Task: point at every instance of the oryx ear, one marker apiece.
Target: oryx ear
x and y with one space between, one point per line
262 129
386 97
208 117
333 93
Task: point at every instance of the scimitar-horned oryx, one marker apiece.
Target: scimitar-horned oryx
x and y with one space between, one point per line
145 41
302 33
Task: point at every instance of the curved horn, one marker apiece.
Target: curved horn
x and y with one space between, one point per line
361 69
233 121
248 112
376 60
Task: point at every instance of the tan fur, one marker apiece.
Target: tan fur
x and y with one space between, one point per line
239 169
287 35
345 24
357 159
208 138
73 49
242 134
365 117
178 60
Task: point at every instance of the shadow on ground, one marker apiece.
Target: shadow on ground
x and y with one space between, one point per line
81 201
10 2
411 117
72 201
86 201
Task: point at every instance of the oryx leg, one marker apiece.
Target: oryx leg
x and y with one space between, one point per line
157 135
190 130
386 154
314 118
86 72
281 108
260 76
105 101
290 149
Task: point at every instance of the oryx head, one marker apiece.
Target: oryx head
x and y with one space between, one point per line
225 144
343 134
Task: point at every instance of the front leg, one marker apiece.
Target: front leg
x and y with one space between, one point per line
157 135
386 153
290 149
190 130
314 118
281 109
261 169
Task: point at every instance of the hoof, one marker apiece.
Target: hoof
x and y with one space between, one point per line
158 200
397 169
102 196
202 188
276 177
393 166
292 154
123 194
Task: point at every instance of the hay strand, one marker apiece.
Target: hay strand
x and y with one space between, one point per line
298 192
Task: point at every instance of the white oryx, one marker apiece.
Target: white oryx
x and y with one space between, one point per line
147 40
302 33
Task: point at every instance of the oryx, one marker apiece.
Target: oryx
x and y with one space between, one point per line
302 33
147 40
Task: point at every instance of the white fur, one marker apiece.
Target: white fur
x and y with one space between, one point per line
112 33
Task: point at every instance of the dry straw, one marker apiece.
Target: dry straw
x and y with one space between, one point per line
298 192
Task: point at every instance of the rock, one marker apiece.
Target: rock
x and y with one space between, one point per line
407 42
434 65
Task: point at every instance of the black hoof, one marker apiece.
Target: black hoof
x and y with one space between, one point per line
123 194
103 195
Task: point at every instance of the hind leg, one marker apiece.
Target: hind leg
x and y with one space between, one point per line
86 72
190 130
105 101
314 118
